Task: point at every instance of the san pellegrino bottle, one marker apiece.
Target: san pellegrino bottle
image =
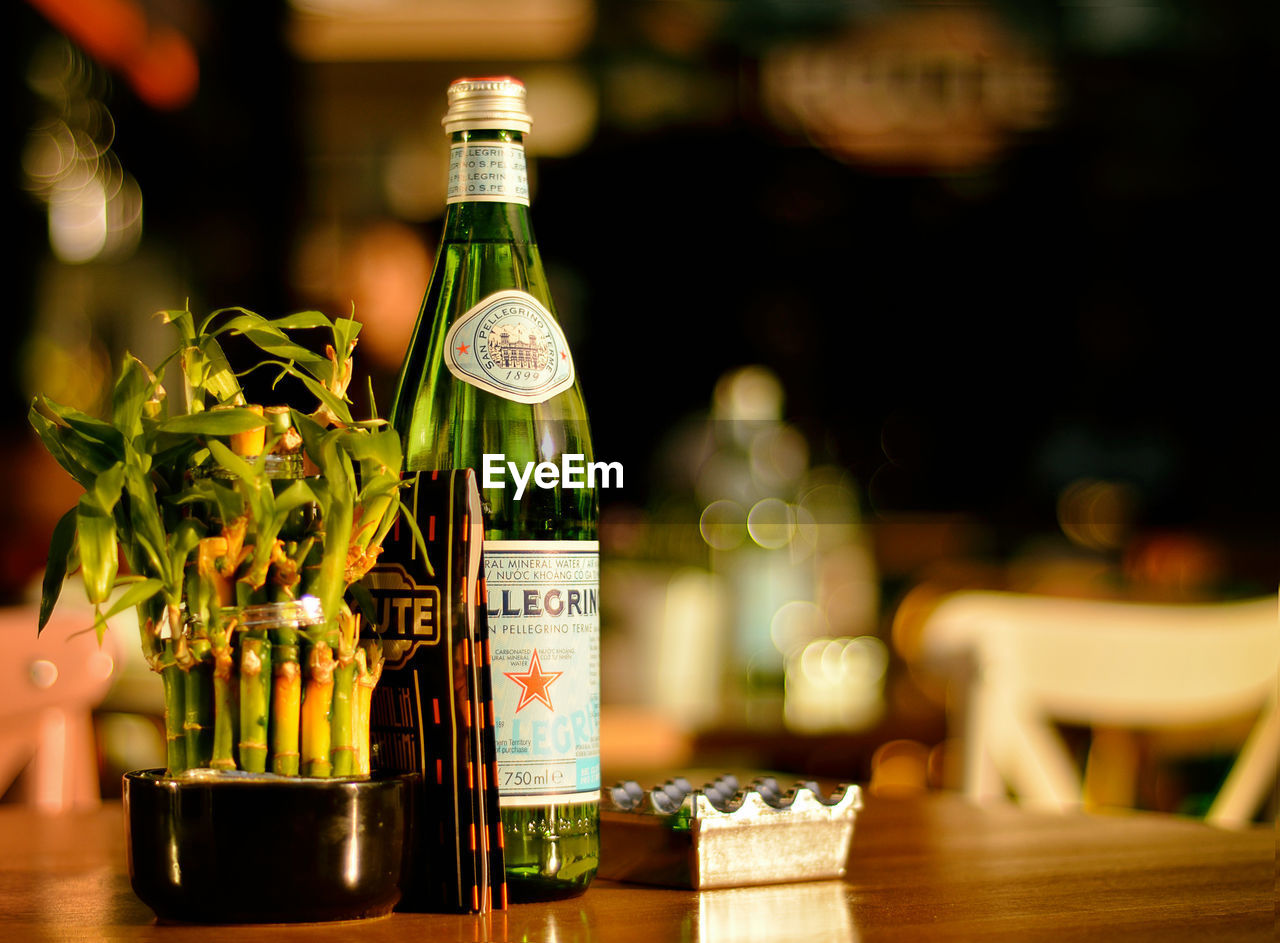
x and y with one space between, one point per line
488 373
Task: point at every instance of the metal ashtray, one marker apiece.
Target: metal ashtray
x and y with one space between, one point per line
724 836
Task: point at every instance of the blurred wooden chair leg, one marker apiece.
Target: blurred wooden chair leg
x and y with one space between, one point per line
1254 773
1111 771
64 770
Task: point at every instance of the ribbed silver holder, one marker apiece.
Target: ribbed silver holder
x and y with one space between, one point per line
721 836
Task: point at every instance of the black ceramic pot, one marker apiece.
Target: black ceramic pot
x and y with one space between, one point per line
239 848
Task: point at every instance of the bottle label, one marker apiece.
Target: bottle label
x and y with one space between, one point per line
489 172
510 345
544 636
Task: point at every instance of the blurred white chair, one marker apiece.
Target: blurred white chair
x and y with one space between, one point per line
1106 664
49 686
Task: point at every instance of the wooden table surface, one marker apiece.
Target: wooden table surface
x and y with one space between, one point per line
926 868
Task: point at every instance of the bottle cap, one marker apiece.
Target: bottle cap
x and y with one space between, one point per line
487 103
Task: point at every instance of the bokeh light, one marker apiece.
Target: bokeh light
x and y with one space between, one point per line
93 205
836 684
771 523
723 525
1097 514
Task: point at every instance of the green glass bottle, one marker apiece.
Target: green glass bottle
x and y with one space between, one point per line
489 383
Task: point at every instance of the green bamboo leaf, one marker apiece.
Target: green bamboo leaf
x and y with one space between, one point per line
278 345
192 365
131 391
147 525
106 489
335 464
206 372
296 495
381 449
52 439
345 331
169 450
288 322
99 624
219 379
246 319
388 521
311 431
269 337
200 491
320 488
99 554
338 515
407 516
219 312
229 500
55 572
244 470
83 424
373 402
137 593
82 458
270 516
183 320
336 405
364 602
254 491
184 540
212 422
382 486
300 320
333 565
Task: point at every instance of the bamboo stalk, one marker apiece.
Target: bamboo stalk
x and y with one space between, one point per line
341 735
341 732
286 672
317 703
159 653
255 699
251 443
210 591
254 681
225 698
286 702
364 550
360 715
175 736
287 440
198 695
212 566
369 662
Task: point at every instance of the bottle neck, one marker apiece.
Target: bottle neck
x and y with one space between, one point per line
488 191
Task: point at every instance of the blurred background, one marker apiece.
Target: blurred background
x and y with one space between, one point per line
873 299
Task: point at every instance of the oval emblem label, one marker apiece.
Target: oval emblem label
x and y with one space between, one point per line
511 346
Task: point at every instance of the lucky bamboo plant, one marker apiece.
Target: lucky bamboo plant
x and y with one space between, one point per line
244 531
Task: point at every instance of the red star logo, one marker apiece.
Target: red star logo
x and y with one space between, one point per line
563 355
534 683
464 348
